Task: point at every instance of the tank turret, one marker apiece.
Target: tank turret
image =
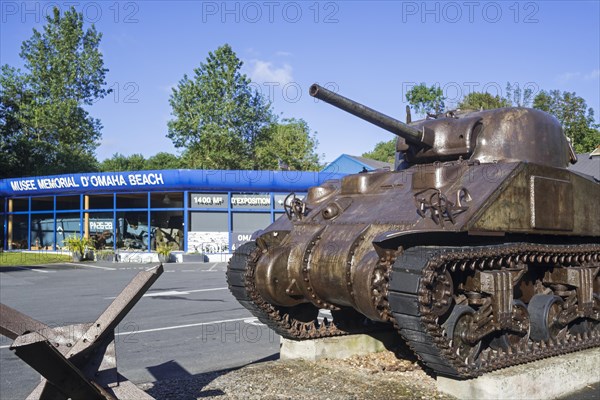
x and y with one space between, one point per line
501 135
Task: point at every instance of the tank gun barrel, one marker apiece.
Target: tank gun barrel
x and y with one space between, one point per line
410 134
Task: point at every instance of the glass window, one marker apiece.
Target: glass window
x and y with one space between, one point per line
2 231
3 219
250 222
167 229
21 204
209 221
133 200
68 203
2 200
42 232
100 201
209 232
18 226
166 200
67 225
101 229
245 224
132 230
42 203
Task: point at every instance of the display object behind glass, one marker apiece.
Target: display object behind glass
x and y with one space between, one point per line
132 230
167 230
42 232
66 225
18 241
101 229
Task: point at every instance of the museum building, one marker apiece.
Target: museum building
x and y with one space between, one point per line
204 211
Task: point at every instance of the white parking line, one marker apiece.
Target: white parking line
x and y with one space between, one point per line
213 266
175 292
253 321
250 321
167 328
34 270
93 266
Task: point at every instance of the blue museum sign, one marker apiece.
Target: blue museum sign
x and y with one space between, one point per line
211 180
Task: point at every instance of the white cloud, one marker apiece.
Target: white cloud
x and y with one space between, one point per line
572 76
595 74
265 71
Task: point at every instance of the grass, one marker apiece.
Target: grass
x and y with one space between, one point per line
8 259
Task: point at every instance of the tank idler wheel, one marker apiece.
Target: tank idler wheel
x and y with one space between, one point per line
520 318
457 328
544 310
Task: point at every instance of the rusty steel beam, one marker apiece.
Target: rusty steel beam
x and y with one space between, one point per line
78 361
14 323
42 356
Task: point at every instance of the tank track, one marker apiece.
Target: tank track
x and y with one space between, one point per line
410 301
283 320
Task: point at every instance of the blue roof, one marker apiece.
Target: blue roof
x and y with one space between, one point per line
347 164
166 180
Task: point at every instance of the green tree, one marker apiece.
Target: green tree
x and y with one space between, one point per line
15 150
426 99
137 162
288 144
217 114
383 151
120 162
164 160
518 97
485 101
574 115
44 124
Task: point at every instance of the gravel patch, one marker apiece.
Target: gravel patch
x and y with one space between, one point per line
374 376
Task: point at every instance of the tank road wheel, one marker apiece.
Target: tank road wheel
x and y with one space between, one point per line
457 328
544 310
521 321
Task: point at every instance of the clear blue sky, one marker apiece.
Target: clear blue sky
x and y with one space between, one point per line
369 51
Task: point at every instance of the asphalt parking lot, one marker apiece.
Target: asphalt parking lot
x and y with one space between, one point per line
187 323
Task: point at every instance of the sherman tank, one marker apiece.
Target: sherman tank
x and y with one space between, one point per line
481 249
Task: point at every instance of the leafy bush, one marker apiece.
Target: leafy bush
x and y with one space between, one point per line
163 250
78 244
